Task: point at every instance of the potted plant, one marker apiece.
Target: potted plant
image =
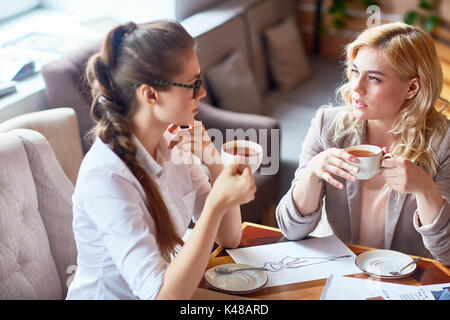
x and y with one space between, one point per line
339 11
425 16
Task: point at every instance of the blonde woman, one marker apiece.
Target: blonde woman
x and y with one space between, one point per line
132 202
394 83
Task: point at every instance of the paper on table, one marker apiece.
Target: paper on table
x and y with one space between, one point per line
347 288
299 261
429 292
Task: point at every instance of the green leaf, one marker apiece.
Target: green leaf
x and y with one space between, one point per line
368 3
339 23
332 9
431 22
322 30
425 5
411 17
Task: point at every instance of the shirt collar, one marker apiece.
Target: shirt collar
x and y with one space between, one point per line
144 158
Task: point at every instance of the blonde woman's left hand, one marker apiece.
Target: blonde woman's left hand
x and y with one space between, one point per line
404 176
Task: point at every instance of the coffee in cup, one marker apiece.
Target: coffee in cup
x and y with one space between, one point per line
361 153
369 160
242 151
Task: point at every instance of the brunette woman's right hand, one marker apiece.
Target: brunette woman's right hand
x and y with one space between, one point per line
334 162
234 186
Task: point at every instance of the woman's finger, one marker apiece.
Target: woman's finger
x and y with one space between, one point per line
389 173
235 168
344 155
329 179
389 163
173 128
340 172
179 136
246 171
343 164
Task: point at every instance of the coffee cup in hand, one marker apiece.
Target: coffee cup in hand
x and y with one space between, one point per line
369 160
244 152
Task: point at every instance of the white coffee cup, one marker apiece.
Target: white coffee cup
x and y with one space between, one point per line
369 160
244 152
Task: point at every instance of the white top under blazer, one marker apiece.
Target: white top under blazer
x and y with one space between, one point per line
118 256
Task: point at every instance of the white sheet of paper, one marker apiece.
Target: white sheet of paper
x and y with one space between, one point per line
348 288
303 260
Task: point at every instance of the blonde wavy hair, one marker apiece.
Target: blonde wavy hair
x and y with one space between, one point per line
410 51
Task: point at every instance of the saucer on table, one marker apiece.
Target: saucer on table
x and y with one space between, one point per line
238 282
379 263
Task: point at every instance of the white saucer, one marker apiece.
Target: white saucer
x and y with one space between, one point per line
239 282
378 263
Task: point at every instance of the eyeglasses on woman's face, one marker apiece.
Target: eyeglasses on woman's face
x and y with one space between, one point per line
195 86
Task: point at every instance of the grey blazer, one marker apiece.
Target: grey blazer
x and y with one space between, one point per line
343 207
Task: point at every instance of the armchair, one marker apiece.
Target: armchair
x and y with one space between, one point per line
37 251
60 127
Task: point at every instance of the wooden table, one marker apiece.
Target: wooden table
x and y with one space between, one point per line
428 271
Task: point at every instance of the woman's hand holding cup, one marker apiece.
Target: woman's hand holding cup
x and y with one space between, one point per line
360 162
234 186
404 176
334 162
369 158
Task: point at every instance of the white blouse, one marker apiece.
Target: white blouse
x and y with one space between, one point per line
118 256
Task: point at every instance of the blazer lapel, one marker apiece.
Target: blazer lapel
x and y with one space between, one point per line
354 208
354 191
394 207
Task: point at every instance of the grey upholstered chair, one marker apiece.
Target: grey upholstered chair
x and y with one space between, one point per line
60 127
37 247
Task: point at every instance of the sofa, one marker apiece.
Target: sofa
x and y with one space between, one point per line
240 26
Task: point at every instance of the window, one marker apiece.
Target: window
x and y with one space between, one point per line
9 8
121 10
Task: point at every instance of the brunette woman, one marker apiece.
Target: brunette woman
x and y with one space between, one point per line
132 202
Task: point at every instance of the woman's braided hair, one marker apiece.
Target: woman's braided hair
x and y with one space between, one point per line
132 54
